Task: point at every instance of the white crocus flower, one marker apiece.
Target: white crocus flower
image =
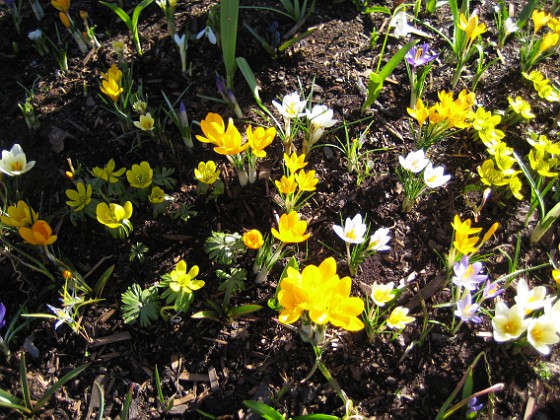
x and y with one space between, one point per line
378 241
434 177
402 29
320 117
414 162
508 323
291 107
531 299
353 231
181 41
35 35
14 162
382 293
541 333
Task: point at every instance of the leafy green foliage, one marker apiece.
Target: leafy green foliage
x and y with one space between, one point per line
140 304
224 248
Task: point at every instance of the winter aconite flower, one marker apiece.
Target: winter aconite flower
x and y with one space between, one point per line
80 197
183 281
206 172
113 215
19 215
140 176
108 173
253 239
157 196
291 230
354 230
38 234
14 161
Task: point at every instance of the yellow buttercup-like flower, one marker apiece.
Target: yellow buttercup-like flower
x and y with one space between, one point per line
183 281
291 230
38 234
80 197
140 176
113 215
19 215
157 196
206 172
253 239
108 173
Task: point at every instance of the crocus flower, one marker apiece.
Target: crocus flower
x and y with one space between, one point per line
491 290
209 33
382 293
473 407
62 314
530 299
354 230
113 215
542 332
378 241
183 281
468 275
399 21
291 230
294 162
38 234
80 197
259 139
467 310
306 181
414 162
471 27
287 184
434 177
291 107
2 315
320 117
419 55
399 318
145 122
14 162
19 215
508 323
253 239
61 5
140 176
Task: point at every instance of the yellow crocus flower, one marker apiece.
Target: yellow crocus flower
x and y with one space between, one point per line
306 181
38 234
294 162
260 139
550 40
213 128
253 239
286 185
539 18
471 27
291 230
19 215
231 142
61 5
112 89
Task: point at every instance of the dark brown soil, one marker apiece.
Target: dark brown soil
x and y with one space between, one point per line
212 367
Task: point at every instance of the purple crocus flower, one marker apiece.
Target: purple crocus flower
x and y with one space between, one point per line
2 315
473 406
225 92
491 290
467 310
418 56
467 275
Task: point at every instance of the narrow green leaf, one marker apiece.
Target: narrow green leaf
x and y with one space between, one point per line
137 10
249 77
7 398
120 13
101 393
264 410
102 281
24 382
127 402
296 39
316 417
229 15
59 384
243 310
525 14
264 43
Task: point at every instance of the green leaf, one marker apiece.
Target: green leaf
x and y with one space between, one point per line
24 383
264 410
127 402
206 314
137 10
120 13
59 384
316 417
102 281
243 310
229 16
376 80
101 393
296 39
